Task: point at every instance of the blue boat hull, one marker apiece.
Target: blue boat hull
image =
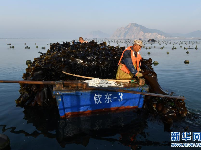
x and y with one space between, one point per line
86 102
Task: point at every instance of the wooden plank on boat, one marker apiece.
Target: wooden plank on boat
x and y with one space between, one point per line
84 85
94 78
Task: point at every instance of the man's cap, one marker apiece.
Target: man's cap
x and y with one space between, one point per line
138 42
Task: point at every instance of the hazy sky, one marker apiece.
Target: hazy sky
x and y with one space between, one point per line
74 18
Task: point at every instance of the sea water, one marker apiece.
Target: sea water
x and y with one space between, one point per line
28 130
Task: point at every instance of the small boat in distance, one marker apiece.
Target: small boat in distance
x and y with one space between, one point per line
151 40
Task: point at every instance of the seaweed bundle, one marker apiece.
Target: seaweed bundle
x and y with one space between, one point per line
86 59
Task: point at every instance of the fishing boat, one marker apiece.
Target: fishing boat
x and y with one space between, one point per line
83 98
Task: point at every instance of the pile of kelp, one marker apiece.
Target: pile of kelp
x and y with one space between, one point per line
87 59
168 108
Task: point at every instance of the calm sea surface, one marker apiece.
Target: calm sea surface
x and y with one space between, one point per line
27 130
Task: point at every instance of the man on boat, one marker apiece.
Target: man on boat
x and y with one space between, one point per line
129 63
81 40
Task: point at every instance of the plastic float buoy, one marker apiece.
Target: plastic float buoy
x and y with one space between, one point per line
4 142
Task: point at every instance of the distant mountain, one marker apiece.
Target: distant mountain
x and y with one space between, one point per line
177 35
195 34
97 34
135 31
